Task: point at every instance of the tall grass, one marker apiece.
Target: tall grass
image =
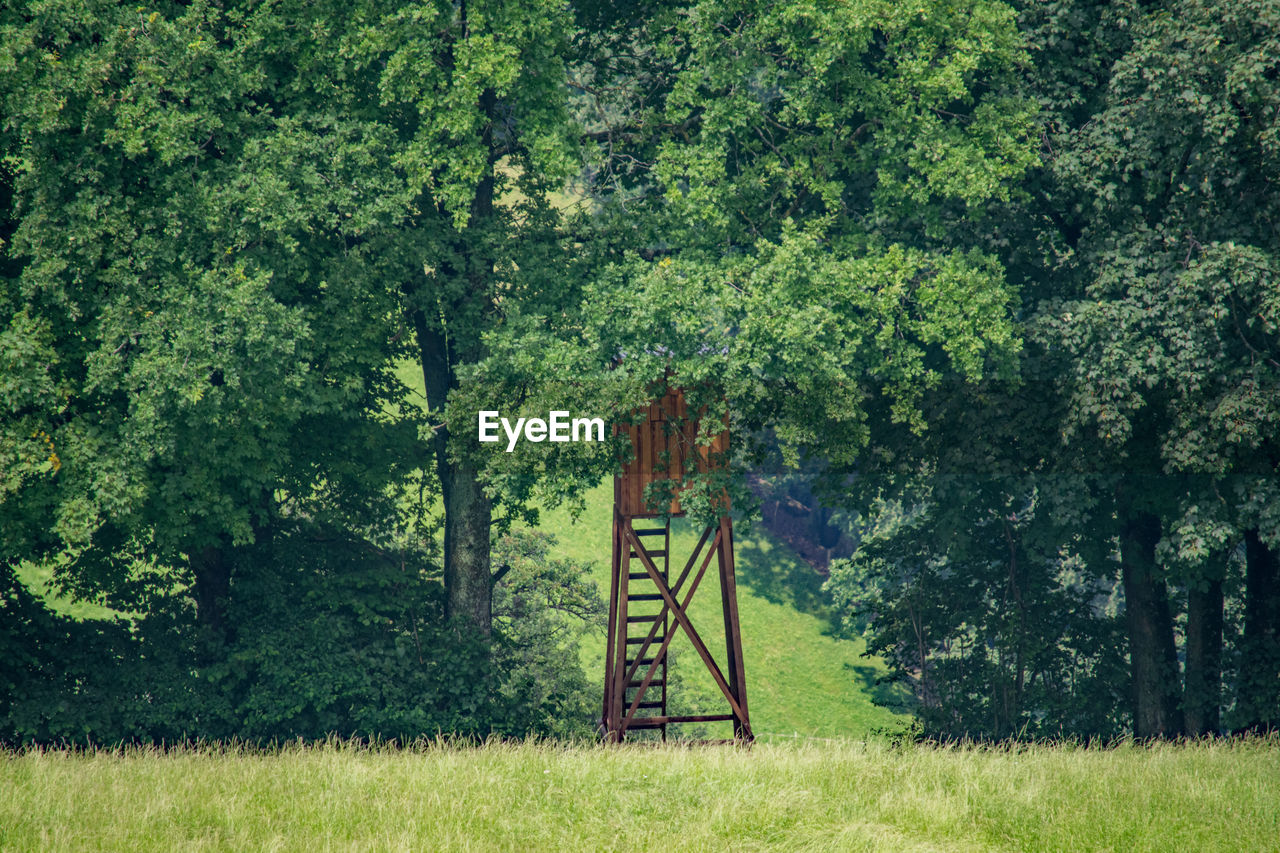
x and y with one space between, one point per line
821 796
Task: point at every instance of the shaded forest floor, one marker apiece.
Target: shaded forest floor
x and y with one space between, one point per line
820 796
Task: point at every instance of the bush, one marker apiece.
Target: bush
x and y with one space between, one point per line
329 635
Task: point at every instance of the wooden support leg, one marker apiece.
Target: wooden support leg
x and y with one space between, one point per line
733 632
606 714
619 692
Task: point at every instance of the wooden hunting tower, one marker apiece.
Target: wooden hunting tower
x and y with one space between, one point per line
646 610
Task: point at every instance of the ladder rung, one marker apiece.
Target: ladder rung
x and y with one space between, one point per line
643 661
653 555
639 576
653 531
646 596
655 704
653 618
657 682
654 722
636 641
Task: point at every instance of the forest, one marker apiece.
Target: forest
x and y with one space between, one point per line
988 291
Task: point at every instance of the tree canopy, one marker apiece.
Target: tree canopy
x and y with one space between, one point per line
998 278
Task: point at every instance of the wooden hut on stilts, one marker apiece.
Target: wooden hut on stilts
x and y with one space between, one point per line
648 608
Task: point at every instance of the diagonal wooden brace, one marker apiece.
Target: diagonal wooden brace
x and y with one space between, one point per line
657 622
671 635
683 619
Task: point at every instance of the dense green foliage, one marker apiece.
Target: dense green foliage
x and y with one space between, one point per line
773 190
224 232
331 636
997 282
192 326
1123 489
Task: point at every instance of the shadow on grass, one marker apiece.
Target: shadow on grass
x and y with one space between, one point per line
774 572
887 694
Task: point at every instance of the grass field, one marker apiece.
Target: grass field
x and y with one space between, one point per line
38 578
844 797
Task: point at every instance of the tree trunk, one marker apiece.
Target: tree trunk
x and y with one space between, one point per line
1258 698
212 569
468 512
467 516
1152 656
1202 693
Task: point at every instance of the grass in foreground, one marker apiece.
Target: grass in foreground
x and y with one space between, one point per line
846 796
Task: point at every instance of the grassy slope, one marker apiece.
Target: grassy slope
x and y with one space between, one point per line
846 797
799 678
38 579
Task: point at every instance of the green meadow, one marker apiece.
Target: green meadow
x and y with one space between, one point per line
844 796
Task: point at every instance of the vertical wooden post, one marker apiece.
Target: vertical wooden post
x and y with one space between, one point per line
606 715
619 689
733 630
666 622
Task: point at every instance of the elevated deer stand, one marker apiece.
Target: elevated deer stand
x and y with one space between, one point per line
635 691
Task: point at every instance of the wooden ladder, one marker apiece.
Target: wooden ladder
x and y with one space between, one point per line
646 612
645 623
